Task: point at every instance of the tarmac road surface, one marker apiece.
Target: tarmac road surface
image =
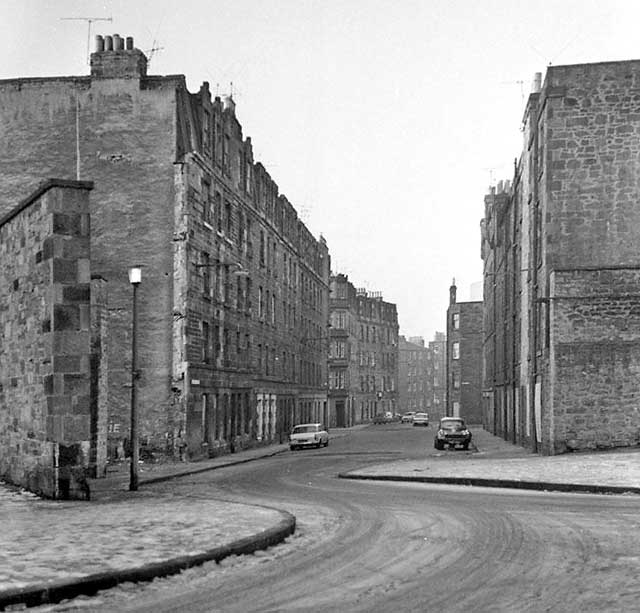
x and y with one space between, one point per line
384 546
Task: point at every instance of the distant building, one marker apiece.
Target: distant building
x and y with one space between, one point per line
438 353
464 359
562 267
415 376
234 299
363 354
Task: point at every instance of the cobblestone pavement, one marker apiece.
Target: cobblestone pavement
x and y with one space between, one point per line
495 459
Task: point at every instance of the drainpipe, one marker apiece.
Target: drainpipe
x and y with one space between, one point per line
56 470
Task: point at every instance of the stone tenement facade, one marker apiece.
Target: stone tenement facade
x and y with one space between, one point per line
562 241
501 317
415 376
50 439
234 285
464 359
363 354
438 351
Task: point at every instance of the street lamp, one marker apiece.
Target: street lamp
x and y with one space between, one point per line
135 277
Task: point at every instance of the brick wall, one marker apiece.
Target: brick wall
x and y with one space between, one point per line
594 383
45 384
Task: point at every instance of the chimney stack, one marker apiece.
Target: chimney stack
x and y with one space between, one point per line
453 290
116 57
537 83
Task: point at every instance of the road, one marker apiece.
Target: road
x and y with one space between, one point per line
379 546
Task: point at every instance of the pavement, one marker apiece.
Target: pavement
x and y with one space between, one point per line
53 550
493 462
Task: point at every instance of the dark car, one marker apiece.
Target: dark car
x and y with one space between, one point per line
452 432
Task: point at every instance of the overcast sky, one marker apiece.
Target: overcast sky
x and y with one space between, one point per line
383 121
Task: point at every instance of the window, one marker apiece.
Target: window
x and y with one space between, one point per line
455 380
228 219
273 309
247 177
205 418
241 235
260 303
455 350
206 343
218 211
206 275
456 321
225 153
205 189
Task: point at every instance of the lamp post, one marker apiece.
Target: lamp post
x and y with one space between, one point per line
135 277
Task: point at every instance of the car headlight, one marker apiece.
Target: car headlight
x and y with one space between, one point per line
440 433
465 432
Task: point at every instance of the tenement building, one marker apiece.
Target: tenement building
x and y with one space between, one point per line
464 359
438 352
363 354
562 270
233 306
415 375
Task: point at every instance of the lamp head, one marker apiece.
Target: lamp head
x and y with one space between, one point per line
135 275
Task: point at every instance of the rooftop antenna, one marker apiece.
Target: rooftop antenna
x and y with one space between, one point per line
491 175
520 83
151 52
89 21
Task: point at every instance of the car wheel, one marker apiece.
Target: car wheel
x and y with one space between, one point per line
437 445
326 443
465 446
293 447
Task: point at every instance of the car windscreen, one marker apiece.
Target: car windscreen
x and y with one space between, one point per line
304 429
452 424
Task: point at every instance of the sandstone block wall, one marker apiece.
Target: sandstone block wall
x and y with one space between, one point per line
589 161
126 133
45 416
594 382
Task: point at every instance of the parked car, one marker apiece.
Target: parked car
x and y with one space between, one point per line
308 435
421 419
452 432
407 418
383 418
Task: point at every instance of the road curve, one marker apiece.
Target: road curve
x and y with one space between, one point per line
379 546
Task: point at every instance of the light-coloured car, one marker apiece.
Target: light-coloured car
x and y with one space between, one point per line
308 435
407 418
421 419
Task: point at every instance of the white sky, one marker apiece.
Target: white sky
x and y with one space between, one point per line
383 121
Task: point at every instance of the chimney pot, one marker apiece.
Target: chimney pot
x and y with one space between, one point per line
129 43
108 43
118 43
99 43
